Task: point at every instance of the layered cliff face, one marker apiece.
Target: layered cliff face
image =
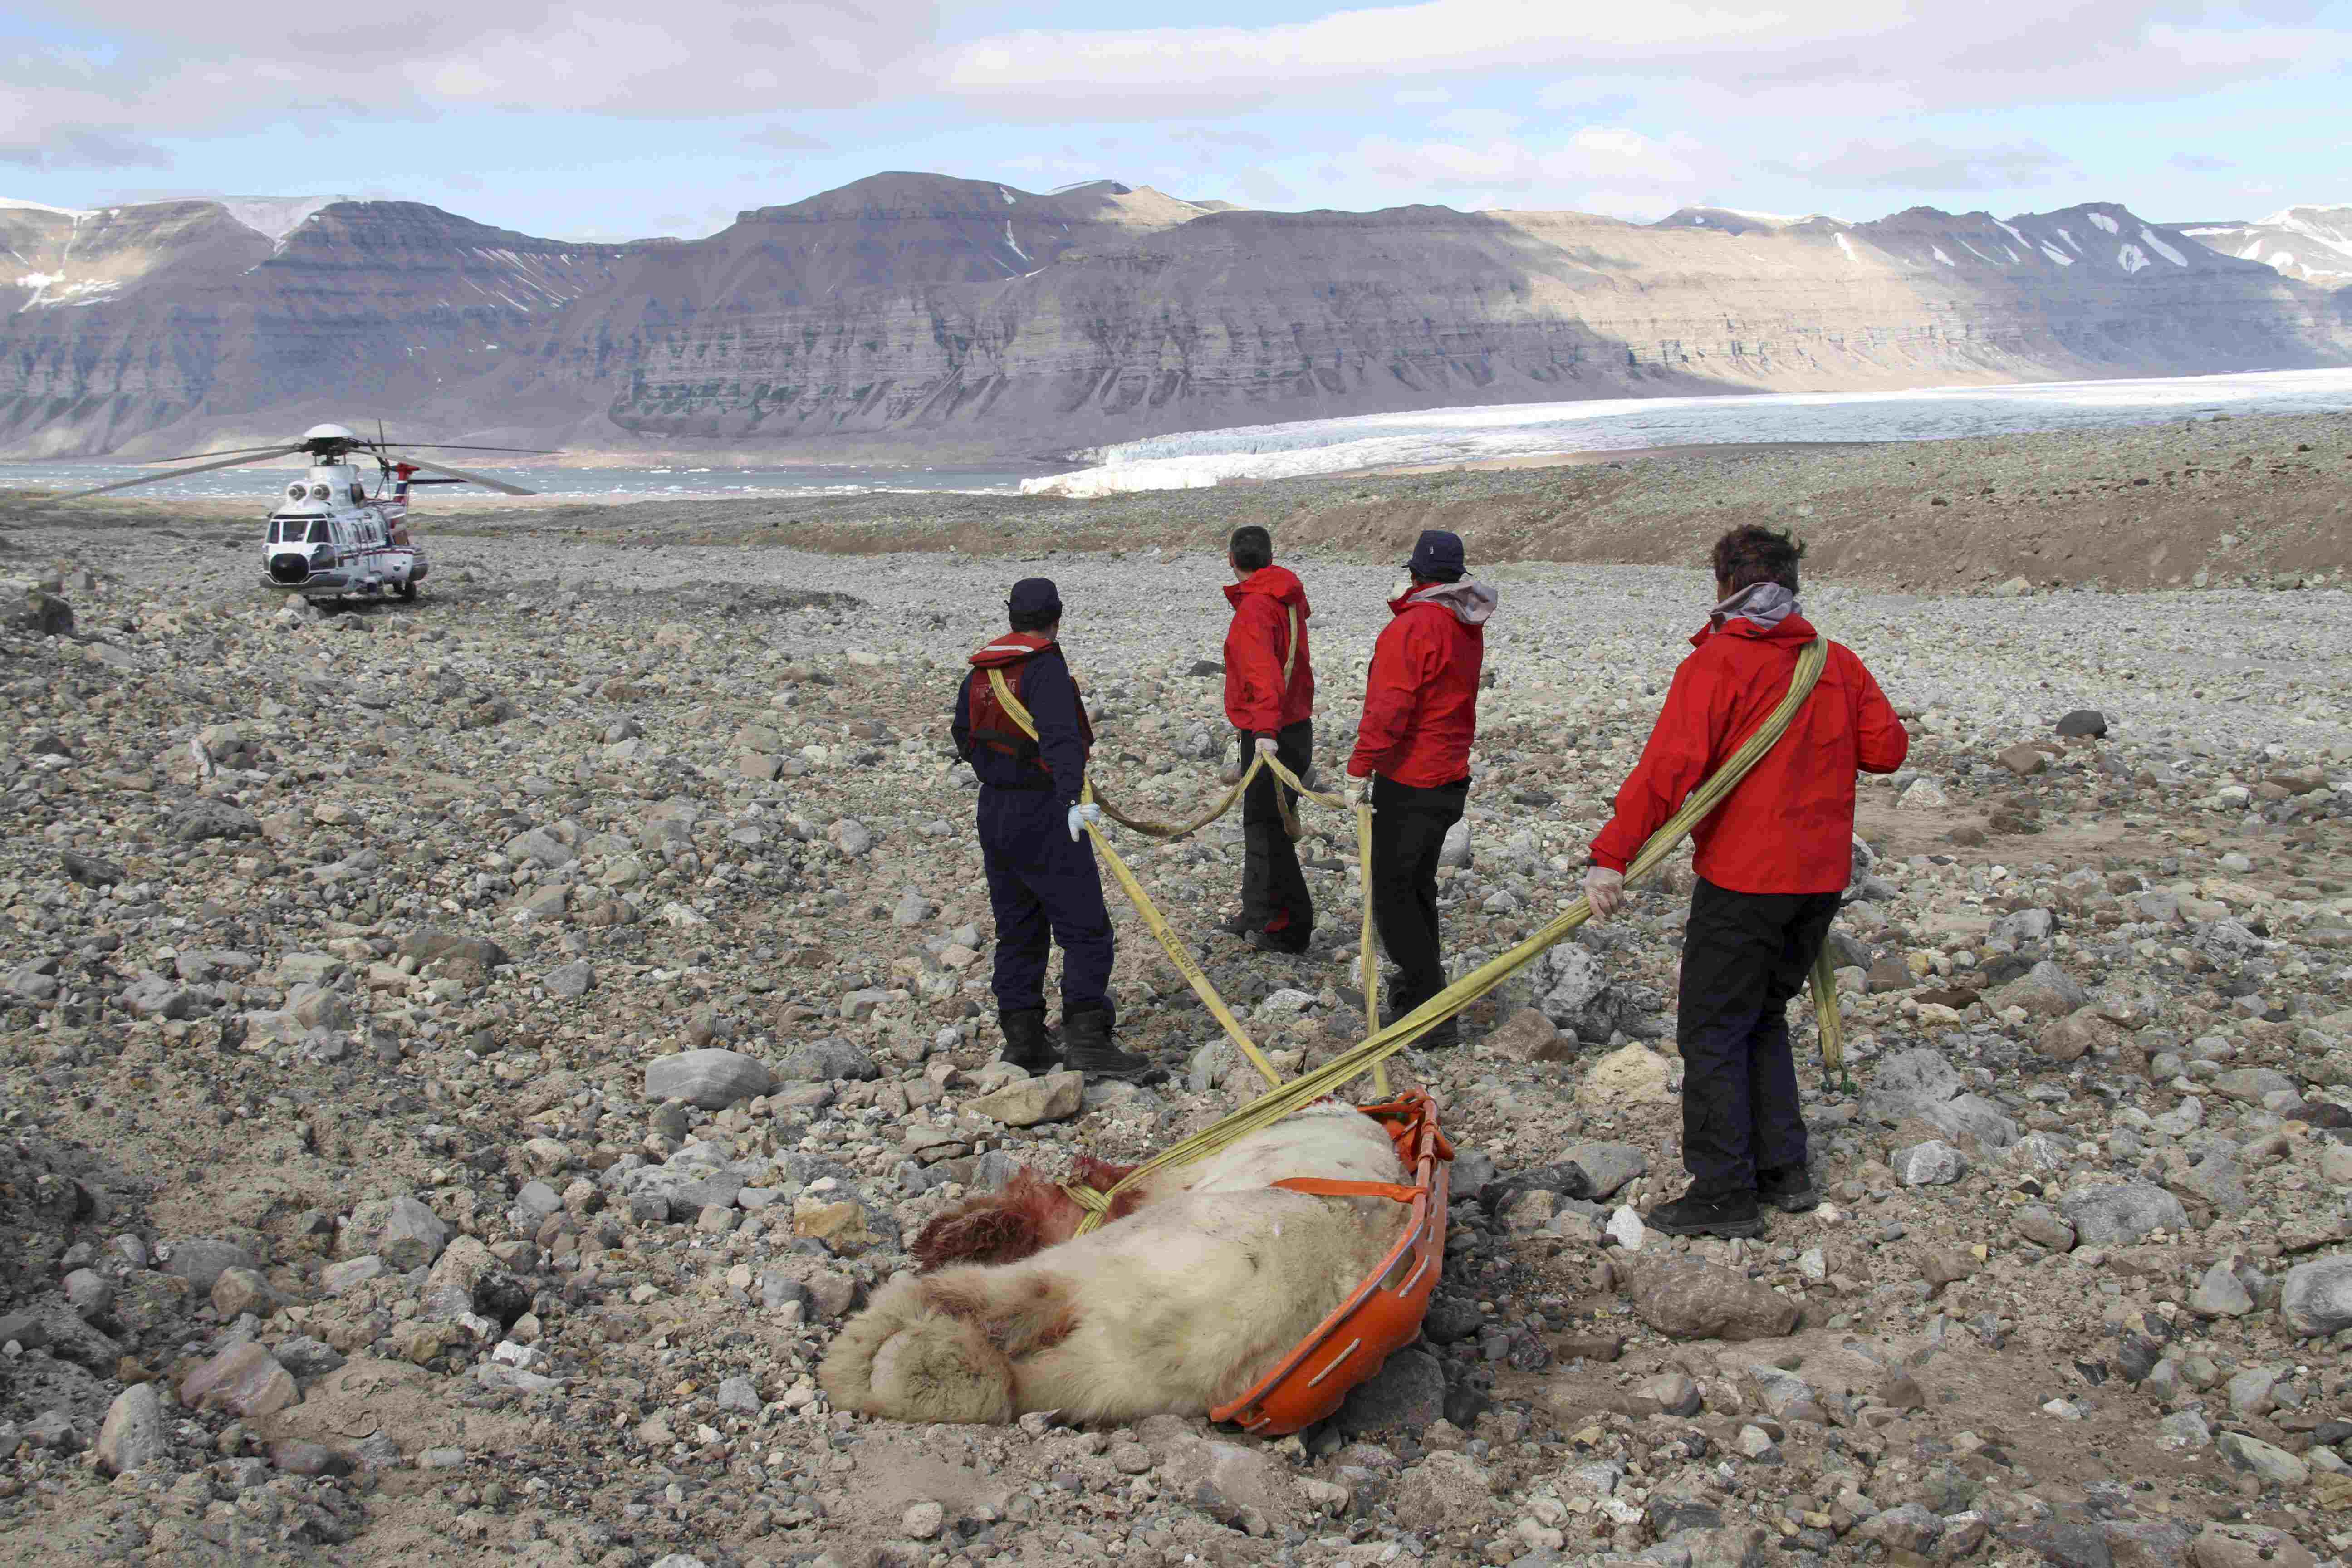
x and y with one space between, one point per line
1240 317
2310 243
913 311
182 320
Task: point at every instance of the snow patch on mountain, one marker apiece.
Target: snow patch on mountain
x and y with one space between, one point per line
12 202
275 218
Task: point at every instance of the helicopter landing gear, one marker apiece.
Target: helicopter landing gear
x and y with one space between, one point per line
406 590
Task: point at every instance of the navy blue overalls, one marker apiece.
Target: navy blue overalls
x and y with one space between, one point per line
1039 882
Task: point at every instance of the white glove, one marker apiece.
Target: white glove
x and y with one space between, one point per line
1358 792
1079 816
1266 748
1606 890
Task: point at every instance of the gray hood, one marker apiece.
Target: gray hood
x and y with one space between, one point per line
1473 603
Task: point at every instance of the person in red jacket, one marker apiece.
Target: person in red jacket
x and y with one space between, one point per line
1270 701
1413 751
1771 861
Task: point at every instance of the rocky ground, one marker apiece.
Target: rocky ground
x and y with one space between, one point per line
364 1198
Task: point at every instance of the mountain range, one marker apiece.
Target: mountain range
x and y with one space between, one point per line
2310 244
919 317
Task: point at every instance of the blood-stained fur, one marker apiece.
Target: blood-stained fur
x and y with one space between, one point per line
1178 1306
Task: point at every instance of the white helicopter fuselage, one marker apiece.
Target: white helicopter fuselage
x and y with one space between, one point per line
328 538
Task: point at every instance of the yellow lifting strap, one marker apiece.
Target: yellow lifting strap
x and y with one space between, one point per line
1386 1041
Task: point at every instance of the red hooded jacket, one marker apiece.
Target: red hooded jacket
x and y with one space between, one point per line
1788 827
1421 695
1256 698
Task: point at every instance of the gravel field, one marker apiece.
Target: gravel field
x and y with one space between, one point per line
358 1207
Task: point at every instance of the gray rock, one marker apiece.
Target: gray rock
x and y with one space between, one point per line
2112 1216
352 1272
413 1236
1026 1103
1456 850
2088 721
541 848
574 979
1929 1164
204 818
201 1262
912 909
2045 990
2248 1085
152 997
2044 1228
2249 1392
2273 1467
1605 1167
738 1393
828 1059
2216 1180
90 1293
1909 1083
1406 1394
2219 1295
427 945
2317 1296
712 1077
133 1438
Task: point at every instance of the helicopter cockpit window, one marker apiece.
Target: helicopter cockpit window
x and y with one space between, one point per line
320 533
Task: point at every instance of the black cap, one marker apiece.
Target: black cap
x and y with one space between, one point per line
1436 556
1035 596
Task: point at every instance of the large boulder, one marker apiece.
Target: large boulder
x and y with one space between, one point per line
712 1079
1631 1075
1687 1299
1026 1103
2116 1216
133 1436
413 1236
2317 1296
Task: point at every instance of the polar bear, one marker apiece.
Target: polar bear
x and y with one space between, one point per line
1197 1287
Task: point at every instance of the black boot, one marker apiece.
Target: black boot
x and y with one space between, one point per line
1694 1214
1788 1188
1087 1049
1027 1044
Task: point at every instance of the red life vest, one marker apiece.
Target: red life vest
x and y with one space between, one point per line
992 726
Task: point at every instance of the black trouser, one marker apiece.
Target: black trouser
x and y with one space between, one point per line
1744 956
1274 890
1409 827
1044 888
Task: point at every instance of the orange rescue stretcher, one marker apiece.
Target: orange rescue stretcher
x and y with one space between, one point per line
1383 1314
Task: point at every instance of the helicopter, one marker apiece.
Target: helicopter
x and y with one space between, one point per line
331 537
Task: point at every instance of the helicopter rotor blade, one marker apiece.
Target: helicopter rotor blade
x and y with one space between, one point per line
191 456
263 456
499 485
451 447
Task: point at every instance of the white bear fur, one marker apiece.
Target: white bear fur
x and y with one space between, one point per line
1178 1308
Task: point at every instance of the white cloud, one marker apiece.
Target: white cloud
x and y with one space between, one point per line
181 71
1921 164
1858 58
1597 155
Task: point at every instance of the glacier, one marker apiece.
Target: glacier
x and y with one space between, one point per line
1198 460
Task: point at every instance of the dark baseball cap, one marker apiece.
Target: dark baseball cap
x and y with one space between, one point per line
1035 596
1436 555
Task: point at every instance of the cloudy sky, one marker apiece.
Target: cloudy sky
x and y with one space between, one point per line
602 120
